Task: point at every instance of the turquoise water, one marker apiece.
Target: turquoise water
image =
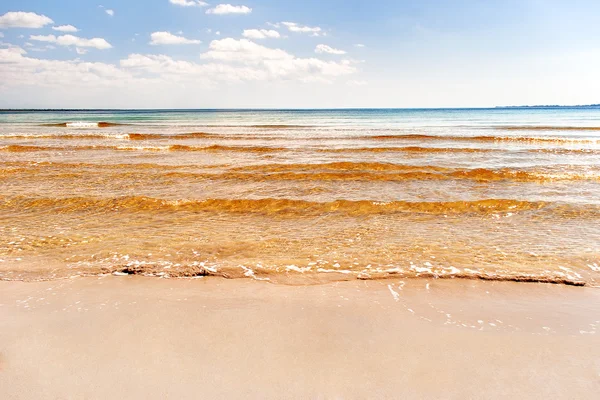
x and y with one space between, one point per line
354 118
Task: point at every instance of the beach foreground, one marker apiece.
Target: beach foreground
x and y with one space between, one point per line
135 337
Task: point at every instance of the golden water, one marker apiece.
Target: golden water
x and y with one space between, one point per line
300 203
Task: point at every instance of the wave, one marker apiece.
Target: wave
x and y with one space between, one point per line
180 148
200 135
478 175
129 136
340 171
339 166
518 139
78 136
84 124
250 149
287 274
272 206
275 126
47 165
282 274
27 148
408 149
419 149
155 136
373 171
546 128
23 148
390 137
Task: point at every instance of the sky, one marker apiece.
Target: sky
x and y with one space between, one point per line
298 54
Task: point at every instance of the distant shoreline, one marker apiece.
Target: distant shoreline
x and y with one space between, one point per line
286 109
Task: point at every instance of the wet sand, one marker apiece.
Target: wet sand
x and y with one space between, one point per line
148 338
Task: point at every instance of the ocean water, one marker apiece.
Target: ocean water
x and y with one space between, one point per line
302 196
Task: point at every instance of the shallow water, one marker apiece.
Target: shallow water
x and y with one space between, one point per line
302 197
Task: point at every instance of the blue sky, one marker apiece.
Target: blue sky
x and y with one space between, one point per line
327 53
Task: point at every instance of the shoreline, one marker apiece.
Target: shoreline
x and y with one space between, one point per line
303 279
139 337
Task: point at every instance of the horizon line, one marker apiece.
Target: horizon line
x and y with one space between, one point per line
299 109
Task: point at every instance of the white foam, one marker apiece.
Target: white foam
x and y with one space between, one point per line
395 294
393 270
342 271
297 269
570 273
594 267
420 269
250 274
452 270
82 124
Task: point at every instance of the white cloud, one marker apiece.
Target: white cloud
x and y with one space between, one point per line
110 12
261 34
222 9
80 51
294 27
42 38
360 45
20 19
275 63
158 38
20 70
323 48
65 28
70 40
189 3
243 50
228 61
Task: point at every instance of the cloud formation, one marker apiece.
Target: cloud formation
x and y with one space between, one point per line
70 40
261 34
189 3
158 38
294 27
274 63
20 19
323 48
223 9
110 12
232 60
65 28
19 70
243 50
227 61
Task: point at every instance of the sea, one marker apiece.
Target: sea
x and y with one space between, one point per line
302 197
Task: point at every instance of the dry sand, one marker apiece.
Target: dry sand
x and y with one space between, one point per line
148 338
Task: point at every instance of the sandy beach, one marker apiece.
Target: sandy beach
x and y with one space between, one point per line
148 338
